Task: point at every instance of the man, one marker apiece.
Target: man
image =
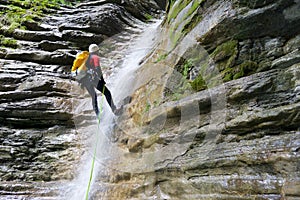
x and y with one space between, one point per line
94 79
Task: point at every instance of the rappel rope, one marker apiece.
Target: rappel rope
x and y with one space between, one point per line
95 150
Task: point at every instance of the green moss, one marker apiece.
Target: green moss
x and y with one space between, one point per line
175 37
225 51
176 96
147 107
176 8
187 22
194 6
8 42
178 84
192 23
199 84
148 16
161 57
224 56
20 11
186 68
227 77
192 12
238 74
17 12
248 67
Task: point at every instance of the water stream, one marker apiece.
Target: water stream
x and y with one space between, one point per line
99 142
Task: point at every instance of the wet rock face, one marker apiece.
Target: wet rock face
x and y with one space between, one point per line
235 135
34 155
38 139
36 122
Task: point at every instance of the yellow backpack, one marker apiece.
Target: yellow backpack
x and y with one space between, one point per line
79 65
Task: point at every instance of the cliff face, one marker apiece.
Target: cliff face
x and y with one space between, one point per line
39 143
215 112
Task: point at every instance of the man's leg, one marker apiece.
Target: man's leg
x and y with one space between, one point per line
102 88
92 92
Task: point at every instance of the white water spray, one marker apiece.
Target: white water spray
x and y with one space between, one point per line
123 83
98 137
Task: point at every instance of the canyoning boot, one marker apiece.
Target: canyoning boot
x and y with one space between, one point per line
118 111
98 116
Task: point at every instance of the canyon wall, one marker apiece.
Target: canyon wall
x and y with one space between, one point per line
215 112
40 145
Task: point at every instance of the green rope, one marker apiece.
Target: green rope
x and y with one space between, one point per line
95 150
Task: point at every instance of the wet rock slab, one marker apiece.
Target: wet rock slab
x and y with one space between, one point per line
39 145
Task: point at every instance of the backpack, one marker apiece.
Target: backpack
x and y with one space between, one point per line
79 65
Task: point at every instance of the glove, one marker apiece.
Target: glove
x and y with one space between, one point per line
73 74
90 72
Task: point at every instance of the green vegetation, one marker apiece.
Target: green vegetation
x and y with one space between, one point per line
194 7
248 67
199 84
188 19
161 57
16 12
186 68
176 8
192 23
147 107
8 42
175 36
176 96
225 56
148 16
184 16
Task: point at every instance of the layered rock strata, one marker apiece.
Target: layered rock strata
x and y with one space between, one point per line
215 112
39 141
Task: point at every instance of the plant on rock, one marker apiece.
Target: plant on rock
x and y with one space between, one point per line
8 42
15 13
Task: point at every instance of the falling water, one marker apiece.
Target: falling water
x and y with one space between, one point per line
98 136
123 83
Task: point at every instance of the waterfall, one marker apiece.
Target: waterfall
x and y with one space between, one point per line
98 137
123 83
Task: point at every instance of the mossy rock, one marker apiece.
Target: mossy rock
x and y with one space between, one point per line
225 51
227 74
248 67
19 11
183 67
224 56
176 8
196 19
8 42
199 84
227 77
187 21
